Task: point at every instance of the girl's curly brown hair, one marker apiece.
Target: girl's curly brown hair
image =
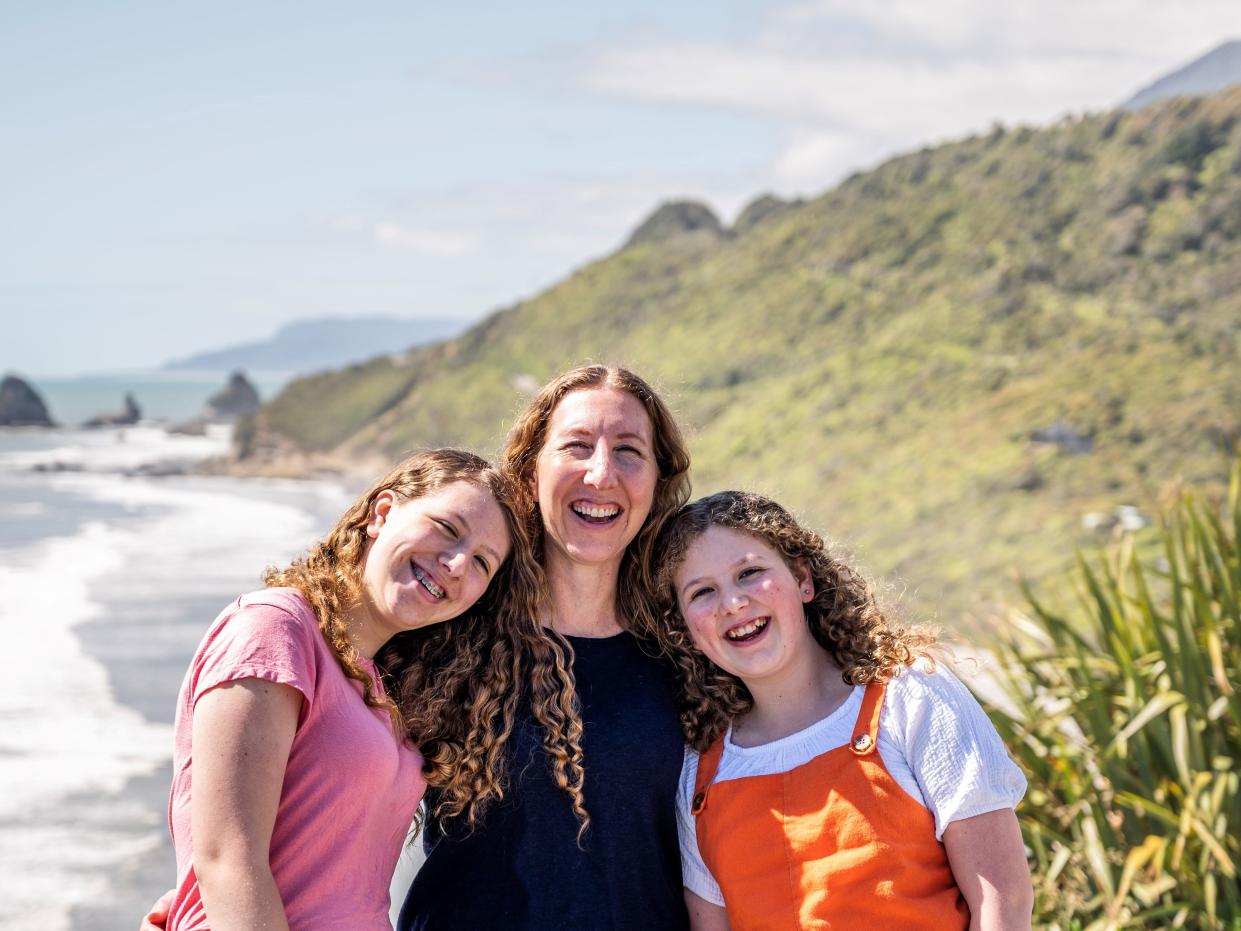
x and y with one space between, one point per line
844 616
553 695
450 682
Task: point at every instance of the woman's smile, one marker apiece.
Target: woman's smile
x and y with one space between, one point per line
595 476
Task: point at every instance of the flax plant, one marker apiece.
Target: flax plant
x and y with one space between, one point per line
1127 720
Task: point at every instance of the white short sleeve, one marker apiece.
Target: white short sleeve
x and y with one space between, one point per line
694 873
951 746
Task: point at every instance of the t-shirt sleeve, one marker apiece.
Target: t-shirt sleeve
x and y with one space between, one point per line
694 873
259 641
952 747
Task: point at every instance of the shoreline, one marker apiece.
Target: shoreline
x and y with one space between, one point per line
144 637
118 555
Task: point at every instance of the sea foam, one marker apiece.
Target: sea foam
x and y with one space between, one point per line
66 743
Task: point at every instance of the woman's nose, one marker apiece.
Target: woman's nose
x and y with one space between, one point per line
599 473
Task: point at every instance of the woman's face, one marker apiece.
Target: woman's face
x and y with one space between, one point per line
743 605
430 558
595 476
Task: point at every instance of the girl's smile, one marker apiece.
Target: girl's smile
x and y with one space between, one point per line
743 604
429 558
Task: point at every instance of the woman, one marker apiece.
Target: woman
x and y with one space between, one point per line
294 782
600 465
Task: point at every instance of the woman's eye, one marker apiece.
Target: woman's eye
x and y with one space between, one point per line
630 450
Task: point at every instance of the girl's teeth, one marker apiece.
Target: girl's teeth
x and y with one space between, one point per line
751 628
427 583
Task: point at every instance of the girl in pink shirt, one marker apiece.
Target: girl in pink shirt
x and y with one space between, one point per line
294 779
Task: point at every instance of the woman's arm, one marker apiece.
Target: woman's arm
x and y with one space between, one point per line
988 860
704 915
242 734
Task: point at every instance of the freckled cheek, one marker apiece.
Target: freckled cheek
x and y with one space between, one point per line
701 626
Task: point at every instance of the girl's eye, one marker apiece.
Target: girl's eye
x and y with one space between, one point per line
698 592
449 529
748 571
483 564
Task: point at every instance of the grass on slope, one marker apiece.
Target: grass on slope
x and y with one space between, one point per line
880 357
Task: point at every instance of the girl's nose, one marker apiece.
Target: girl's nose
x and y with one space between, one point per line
735 600
455 562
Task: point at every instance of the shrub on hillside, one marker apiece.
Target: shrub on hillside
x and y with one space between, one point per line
1127 720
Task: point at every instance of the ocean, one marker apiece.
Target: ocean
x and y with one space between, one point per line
165 396
108 579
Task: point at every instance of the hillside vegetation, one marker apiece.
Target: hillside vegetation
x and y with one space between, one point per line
946 362
1125 716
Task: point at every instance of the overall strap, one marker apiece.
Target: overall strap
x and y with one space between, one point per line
708 763
866 729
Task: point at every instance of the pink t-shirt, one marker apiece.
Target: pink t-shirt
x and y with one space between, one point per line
350 788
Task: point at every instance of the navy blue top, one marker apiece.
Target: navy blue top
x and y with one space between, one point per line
521 870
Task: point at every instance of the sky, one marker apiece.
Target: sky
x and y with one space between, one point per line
178 177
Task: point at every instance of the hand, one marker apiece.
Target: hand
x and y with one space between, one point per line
157 917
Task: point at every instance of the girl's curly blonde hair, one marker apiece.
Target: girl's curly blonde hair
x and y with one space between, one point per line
844 616
448 685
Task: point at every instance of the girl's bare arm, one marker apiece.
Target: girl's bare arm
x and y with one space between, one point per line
988 860
704 915
243 731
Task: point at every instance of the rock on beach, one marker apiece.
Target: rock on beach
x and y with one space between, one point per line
21 405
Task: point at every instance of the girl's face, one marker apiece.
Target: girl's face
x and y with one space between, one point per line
430 558
595 476
743 604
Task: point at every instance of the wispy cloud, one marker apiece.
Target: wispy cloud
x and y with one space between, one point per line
433 244
854 82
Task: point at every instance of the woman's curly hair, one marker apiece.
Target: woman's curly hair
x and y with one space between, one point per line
843 615
553 693
448 684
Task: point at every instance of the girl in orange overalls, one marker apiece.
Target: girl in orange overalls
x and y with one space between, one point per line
843 780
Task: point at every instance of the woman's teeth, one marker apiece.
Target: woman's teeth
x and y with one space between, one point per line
596 512
425 581
746 631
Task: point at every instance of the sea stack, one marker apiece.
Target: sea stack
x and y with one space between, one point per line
21 406
131 414
234 400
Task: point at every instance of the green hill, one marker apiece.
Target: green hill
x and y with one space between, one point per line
945 362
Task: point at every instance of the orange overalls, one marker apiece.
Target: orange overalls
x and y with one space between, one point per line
834 843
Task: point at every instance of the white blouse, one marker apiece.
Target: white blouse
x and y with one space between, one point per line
934 738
